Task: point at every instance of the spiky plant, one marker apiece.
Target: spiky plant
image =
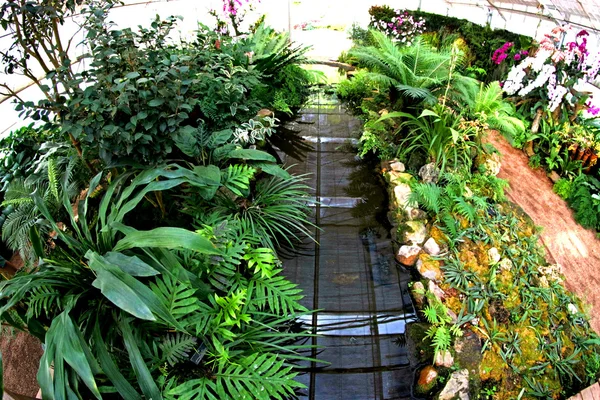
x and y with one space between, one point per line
276 211
486 104
417 73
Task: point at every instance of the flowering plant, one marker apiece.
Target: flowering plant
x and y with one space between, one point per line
507 51
402 27
232 13
554 71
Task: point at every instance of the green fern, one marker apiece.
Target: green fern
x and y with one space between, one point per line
176 348
43 299
440 336
428 195
178 297
237 178
261 260
276 294
53 178
258 376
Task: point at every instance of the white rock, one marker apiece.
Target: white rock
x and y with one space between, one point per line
402 194
397 166
415 233
444 359
457 386
431 247
506 264
572 308
494 255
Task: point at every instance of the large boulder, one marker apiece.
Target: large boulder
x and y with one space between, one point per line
492 164
494 255
436 290
457 386
408 255
418 292
429 173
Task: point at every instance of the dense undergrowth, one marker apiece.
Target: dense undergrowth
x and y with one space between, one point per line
148 208
482 272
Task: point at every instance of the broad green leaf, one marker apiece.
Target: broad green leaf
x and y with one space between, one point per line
130 264
397 114
110 368
167 238
142 373
428 113
273 169
73 353
251 154
36 241
121 295
156 102
132 75
209 174
150 300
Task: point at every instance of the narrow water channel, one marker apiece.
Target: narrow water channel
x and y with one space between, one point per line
351 274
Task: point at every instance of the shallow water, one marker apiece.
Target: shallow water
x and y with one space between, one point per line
351 275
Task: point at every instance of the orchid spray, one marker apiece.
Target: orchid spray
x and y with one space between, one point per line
554 72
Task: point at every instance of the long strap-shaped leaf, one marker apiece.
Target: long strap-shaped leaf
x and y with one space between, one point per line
144 377
167 238
111 370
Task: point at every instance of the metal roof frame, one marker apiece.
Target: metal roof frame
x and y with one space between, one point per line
583 13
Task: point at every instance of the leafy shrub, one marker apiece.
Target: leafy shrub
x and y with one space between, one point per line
564 188
481 40
161 313
353 91
19 149
148 90
585 200
436 134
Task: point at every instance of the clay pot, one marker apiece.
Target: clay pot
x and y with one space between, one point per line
586 155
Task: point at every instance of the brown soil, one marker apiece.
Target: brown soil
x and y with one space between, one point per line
21 355
568 244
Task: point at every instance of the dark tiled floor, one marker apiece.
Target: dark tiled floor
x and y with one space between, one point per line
351 274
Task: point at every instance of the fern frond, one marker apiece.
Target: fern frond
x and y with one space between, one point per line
258 376
43 299
237 178
177 296
276 294
176 348
53 178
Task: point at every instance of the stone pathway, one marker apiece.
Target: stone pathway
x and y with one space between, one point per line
576 249
351 275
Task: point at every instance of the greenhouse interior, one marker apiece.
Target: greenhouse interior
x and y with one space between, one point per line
300 199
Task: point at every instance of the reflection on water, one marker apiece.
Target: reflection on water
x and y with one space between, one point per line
351 275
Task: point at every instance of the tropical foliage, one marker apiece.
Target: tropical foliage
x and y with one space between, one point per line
149 215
